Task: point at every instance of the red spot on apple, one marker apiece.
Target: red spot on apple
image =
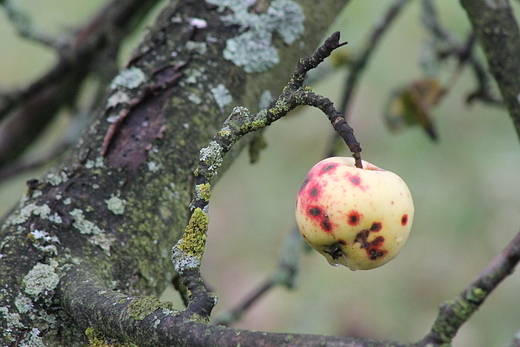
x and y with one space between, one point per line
375 250
354 217
377 240
404 219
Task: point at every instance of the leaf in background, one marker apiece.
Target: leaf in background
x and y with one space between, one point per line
411 104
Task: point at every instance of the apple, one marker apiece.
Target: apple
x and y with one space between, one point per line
355 217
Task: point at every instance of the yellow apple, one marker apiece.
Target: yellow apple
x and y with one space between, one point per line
355 217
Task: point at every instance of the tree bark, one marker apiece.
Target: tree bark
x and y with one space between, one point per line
107 216
496 28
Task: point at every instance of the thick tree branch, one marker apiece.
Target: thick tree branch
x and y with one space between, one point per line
25 113
148 322
120 199
497 31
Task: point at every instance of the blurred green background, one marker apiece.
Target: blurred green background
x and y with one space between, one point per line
466 190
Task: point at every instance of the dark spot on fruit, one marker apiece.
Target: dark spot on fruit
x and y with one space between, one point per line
328 167
342 242
404 219
365 245
305 181
314 191
314 211
355 180
334 251
326 224
376 226
354 217
378 240
372 251
373 257
379 254
362 237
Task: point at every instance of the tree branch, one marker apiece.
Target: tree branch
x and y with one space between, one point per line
25 113
496 28
358 65
453 313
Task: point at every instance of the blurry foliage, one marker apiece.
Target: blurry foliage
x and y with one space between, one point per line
465 189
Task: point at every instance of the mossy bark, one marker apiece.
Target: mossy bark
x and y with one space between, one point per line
113 208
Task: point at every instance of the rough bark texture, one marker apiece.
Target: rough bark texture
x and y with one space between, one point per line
496 28
111 211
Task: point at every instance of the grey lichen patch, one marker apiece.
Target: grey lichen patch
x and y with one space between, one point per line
99 238
56 179
141 307
183 261
41 279
23 303
117 98
194 98
43 211
222 96
84 226
212 156
129 78
265 99
32 339
104 241
116 205
196 47
253 49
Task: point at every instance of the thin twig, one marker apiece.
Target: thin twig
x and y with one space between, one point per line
25 28
464 53
284 274
358 65
453 313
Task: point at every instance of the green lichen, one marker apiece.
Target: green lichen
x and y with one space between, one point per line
141 307
98 339
253 48
203 191
476 294
193 242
